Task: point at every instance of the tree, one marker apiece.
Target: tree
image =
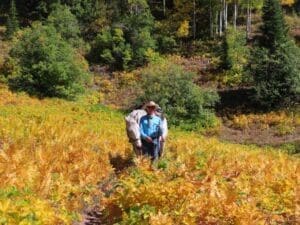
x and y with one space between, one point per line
236 54
48 66
12 24
274 30
275 61
139 23
183 30
65 23
287 2
111 48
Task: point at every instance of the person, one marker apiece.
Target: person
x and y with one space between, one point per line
164 129
151 132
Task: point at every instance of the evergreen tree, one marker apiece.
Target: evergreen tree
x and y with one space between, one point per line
12 22
275 61
274 30
66 24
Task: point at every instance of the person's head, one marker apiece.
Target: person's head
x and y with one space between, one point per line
151 108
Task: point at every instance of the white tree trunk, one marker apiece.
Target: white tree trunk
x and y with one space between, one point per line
250 21
249 18
226 15
235 14
211 23
164 6
217 24
221 19
194 21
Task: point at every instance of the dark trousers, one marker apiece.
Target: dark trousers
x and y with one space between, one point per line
151 149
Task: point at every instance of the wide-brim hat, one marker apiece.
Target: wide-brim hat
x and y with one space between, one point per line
151 104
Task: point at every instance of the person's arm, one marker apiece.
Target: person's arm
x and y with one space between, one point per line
143 135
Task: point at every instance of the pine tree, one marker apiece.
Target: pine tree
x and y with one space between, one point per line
274 30
12 22
275 61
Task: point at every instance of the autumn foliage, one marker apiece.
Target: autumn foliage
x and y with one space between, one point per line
55 157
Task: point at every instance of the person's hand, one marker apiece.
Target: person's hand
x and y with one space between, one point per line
149 139
138 143
162 139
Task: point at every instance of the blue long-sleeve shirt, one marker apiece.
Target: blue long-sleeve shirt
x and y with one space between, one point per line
150 126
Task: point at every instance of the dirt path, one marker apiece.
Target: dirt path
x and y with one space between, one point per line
257 136
92 215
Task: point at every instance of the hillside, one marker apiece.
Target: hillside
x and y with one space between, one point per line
59 159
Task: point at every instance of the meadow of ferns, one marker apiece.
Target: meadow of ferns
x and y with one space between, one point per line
55 160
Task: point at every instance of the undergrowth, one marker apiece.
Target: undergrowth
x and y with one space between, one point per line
54 156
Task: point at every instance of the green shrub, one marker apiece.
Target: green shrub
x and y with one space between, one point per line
185 104
166 44
284 129
48 66
138 215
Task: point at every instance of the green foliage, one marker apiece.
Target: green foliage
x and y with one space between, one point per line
291 148
34 10
165 43
112 49
48 66
173 89
275 61
274 30
130 42
139 24
138 215
12 24
277 75
235 56
142 42
34 210
66 24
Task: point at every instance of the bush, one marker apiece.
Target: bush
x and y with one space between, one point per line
173 89
48 66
